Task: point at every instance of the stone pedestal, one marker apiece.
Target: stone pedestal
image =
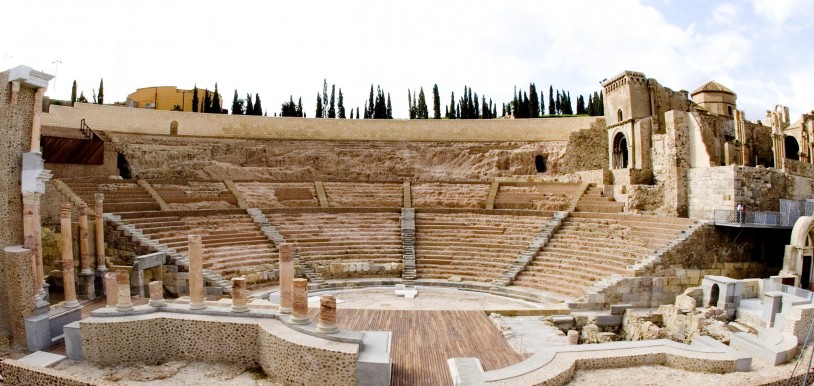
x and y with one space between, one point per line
573 337
196 284
99 227
124 302
68 281
157 294
239 302
299 310
18 275
327 315
110 289
286 276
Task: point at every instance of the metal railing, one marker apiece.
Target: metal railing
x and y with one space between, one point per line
770 285
726 216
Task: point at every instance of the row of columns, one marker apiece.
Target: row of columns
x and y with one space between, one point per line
86 274
293 292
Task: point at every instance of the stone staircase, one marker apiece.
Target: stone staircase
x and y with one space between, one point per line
66 191
271 232
536 244
408 243
593 200
211 279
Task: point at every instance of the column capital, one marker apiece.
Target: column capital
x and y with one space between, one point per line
32 198
65 210
99 198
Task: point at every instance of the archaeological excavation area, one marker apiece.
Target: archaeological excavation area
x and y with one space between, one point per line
399 252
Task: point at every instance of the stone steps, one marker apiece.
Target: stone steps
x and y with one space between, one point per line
525 257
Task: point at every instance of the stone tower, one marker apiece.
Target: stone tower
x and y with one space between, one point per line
716 98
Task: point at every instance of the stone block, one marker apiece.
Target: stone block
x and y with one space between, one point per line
606 320
73 341
374 365
42 359
43 330
619 309
213 293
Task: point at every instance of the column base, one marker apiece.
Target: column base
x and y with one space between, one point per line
299 319
327 329
285 310
158 303
197 306
124 307
71 304
243 308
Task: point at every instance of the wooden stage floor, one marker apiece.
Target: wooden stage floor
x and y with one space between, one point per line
422 341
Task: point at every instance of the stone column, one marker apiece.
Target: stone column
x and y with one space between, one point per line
30 200
327 315
99 223
111 292
35 122
157 294
124 302
286 276
86 278
239 303
68 283
299 291
15 92
573 337
40 273
196 285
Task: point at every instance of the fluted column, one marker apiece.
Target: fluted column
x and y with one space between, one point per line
29 242
196 285
239 302
35 122
327 315
286 276
299 310
111 291
124 302
157 294
68 282
84 253
99 223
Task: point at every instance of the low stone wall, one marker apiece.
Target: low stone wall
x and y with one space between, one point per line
798 168
294 357
19 373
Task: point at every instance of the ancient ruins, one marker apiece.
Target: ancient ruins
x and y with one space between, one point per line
405 252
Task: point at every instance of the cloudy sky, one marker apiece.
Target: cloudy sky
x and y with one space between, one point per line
759 48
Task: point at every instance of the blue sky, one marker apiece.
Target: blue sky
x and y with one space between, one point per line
759 48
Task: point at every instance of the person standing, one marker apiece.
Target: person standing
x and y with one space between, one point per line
740 212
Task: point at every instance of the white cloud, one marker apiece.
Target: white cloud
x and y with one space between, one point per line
780 11
726 14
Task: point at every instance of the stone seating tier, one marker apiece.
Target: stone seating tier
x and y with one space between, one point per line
322 238
232 242
449 195
278 195
120 195
592 246
364 195
475 246
593 201
541 196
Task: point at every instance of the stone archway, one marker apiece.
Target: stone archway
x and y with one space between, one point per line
620 151
798 256
792 148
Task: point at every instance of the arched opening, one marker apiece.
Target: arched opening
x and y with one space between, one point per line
174 128
539 163
123 166
792 148
713 296
620 156
619 115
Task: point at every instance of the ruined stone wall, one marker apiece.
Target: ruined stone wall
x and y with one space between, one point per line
293 357
16 123
587 149
148 121
164 157
797 168
710 189
663 100
21 373
760 144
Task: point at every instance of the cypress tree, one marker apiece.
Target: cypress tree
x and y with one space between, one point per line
590 106
300 112
73 93
207 107
332 103
485 111
436 103
351 110
101 92
319 111
410 107
552 107
371 104
580 105
341 105
558 103
237 105
542 104
357 112
249 104
82 98
452 105
194 98
601 103
215 101
324 98
258 108
534 105
503 110
446 112
423 113
389 108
